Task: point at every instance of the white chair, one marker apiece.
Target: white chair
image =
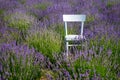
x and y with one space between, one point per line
72 37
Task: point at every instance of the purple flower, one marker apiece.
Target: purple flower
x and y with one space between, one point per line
49 77
39 57
118 74
66 74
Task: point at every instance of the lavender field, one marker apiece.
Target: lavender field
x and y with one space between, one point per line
32 44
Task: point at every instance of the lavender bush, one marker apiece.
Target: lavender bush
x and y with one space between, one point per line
19 20
18 62
46 41
8 34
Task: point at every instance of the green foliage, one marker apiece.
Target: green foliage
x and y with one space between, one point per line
20 67
22 1
90 18
105 43
46 41
109 4
42 6
21 24
1 11
19 20
9 36
97 65
48 72
103 64
59 28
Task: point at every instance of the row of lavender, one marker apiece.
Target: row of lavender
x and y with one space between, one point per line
45 13
29 27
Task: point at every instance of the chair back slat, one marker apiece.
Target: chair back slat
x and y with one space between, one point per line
74 18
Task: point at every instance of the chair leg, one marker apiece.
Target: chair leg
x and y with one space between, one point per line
67 49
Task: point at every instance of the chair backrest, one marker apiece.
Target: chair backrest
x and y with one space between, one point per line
74 18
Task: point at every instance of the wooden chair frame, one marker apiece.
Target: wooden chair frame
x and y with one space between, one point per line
68 37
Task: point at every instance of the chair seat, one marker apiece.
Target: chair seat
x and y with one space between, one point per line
74 37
